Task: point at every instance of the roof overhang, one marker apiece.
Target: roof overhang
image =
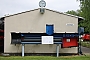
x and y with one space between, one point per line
79 18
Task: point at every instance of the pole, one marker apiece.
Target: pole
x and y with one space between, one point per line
80 51
22 50
80 47
57 50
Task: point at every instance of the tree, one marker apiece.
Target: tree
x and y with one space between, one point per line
85 12
76 13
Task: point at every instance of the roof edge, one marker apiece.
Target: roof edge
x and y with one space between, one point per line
67 14
49 10
21 12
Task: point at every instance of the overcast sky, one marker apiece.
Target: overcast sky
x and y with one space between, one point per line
17 6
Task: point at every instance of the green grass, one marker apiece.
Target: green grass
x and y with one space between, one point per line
46 58
86 44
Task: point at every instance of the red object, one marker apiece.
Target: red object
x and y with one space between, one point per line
70 42
86 37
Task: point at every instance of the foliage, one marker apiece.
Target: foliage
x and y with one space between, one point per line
76 13
86 44
83 12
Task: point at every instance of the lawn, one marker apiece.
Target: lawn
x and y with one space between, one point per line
46 58
86 44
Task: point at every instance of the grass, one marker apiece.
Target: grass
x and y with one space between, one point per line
46 58
85 44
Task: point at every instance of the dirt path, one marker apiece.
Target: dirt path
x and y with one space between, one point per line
85 50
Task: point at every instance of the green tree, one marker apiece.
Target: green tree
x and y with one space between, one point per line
76 13
85 12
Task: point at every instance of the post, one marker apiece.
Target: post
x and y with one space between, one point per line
80 51
22 50
57 50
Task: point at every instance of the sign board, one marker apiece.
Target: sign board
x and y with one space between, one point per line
70 24
47 39
68 40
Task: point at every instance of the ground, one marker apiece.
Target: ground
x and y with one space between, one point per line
85 47
46 58
85 50
73 57
86 56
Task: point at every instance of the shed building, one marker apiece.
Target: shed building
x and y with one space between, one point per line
34 22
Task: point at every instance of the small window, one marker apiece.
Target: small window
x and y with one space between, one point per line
49 29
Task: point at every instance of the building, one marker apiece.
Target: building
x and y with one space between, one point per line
35 22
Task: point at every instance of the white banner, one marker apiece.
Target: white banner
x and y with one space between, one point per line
47 39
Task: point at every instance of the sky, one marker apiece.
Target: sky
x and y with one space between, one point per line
17 6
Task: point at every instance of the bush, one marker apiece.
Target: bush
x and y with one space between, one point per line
85 44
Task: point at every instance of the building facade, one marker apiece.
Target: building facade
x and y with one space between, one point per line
34 22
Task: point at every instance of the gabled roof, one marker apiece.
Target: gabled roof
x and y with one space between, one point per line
66 14
48 10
